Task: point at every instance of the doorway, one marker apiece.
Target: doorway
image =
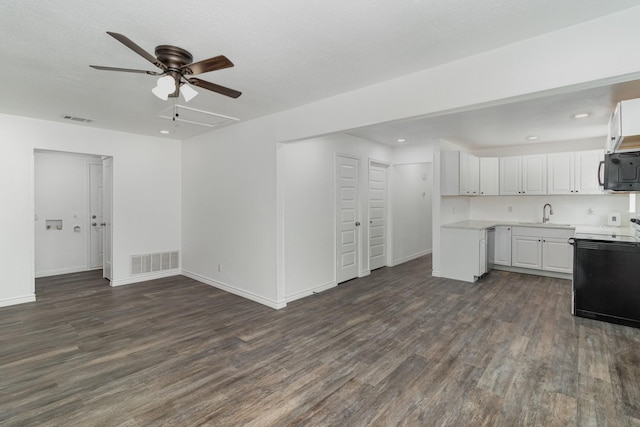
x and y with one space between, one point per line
71 193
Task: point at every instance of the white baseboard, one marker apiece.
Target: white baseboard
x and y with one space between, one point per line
145 277
17 300
68 270
364 273
436 273
411 257
236 291
311 291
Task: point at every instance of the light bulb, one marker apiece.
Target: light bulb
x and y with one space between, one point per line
188 92
160 93
165 86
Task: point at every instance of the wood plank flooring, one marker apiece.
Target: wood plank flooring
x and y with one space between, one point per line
396 348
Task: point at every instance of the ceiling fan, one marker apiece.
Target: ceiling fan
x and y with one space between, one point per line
176 66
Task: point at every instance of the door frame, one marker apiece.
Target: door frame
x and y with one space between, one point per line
358 218
33 208
387 212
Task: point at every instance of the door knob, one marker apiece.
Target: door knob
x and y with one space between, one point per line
103 224
94 224
357 223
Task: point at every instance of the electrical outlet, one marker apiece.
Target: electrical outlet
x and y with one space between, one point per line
453 210
219 268
510 209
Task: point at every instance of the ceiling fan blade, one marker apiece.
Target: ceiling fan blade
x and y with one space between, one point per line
137 49
126 70
211 64
214 87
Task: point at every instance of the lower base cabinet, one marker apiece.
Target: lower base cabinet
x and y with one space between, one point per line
542 249
464 253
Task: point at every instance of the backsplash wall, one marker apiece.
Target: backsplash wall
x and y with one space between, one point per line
583 210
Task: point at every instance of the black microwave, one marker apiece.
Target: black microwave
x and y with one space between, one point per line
621 171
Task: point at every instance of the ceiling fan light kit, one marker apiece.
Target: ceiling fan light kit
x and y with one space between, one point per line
176 64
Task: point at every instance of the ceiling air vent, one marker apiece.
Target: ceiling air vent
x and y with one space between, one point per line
75 118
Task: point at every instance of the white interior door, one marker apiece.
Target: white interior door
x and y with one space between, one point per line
347 218
377 215
107 214
96 234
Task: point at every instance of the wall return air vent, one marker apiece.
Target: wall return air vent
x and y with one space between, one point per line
151 263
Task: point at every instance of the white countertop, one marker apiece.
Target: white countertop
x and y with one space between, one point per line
481 224
586 229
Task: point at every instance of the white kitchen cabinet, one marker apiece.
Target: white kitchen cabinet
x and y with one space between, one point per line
527 252
534 174
464 253
489 176
523 175
542 249
502 245
469 174
587 164
560 173
624 127
449 173
574 173
459 174
557 255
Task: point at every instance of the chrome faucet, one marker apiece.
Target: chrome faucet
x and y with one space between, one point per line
545 217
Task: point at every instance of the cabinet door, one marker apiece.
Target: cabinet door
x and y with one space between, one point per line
489 176
534 174
560 173
510 175
469 174
587 164
473 182
482 267
526 252
449 173
557 255
502 246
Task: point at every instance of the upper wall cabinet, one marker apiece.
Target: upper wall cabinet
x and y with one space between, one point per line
449 173
523 175
469 174
624 127
459 174
489 176
574 173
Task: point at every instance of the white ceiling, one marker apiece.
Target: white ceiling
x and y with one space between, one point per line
549 118
286 53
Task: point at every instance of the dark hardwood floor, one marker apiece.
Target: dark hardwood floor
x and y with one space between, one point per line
396 348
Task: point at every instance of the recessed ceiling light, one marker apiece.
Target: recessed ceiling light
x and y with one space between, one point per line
581 115
164 132
533 138
402 140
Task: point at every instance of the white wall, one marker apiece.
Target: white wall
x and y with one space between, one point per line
229 210
411 195
308 193
146 190
62 193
